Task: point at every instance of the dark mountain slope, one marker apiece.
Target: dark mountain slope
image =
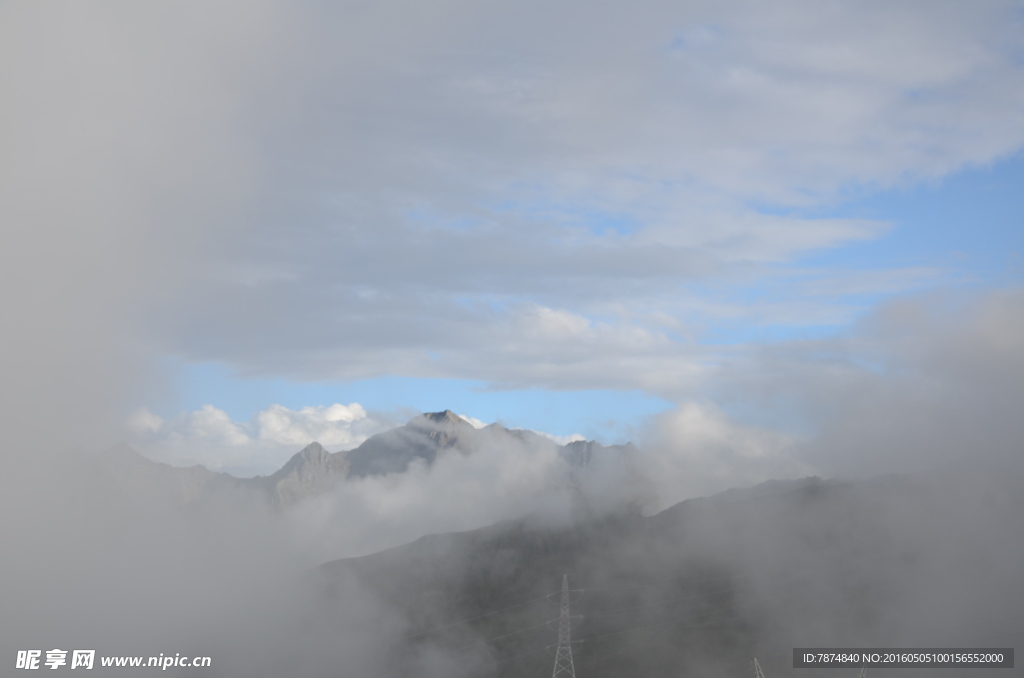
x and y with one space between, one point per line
702 587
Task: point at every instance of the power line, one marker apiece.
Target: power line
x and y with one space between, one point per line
461 622
483 641
506 635
669 622
471 619
565 664
671 603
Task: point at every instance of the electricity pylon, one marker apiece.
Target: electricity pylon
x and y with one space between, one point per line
758 673
563 656
863 673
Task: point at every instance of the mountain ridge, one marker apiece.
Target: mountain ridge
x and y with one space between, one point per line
424 439
709 581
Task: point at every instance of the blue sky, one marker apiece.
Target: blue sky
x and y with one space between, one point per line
598 414
969 226
971 222
762 240
567 219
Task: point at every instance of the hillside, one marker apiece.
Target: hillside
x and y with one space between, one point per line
704 586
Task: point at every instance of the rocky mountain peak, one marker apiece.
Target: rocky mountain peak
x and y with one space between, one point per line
313 454
424 439
446 418
308 472
313 451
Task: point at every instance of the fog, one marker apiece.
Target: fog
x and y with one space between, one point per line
930 557
236 183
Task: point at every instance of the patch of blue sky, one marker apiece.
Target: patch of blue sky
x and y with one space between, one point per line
800 304
605 415
743 333
812 303
964 229
971 221
968 226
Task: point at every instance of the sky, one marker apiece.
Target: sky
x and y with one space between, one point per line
569 219
761 240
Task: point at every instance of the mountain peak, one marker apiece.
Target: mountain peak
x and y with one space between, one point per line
307 472
440 421
312 455
446 417
424 437
314 449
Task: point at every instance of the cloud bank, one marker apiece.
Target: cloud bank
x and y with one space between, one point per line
337 193
580 209
524 194
260 446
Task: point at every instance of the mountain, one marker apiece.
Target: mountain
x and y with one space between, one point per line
124 470
309 472
431 435
704 586
424 439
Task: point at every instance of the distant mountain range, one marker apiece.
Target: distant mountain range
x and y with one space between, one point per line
424 439
924 560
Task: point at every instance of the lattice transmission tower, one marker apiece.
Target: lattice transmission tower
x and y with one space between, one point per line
563 656
758 673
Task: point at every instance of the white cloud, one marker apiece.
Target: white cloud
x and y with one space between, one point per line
696 449
502 480
208 425
919 382
473 421
562 198
331 426
210 437
239 186
143 422
560 440
500 209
